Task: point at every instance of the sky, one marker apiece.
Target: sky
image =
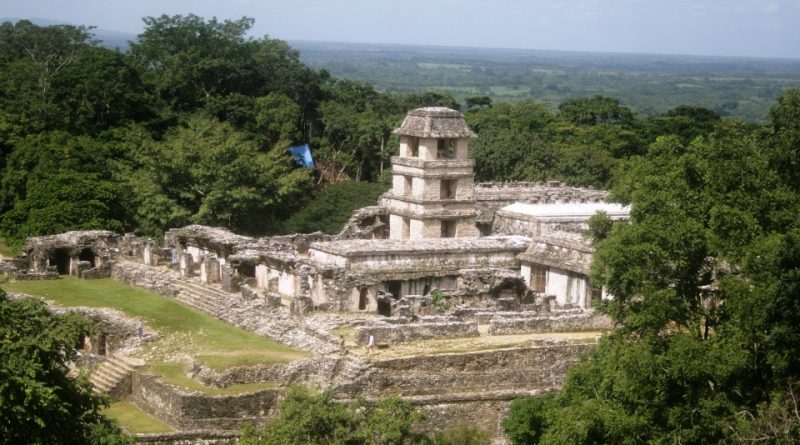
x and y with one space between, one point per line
752 28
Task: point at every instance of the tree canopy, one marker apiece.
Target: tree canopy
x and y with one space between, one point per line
704 281
39 402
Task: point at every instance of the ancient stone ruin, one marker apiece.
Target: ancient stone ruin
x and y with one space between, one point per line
438 260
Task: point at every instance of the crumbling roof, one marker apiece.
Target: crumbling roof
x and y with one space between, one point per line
434 122
561 250
74 238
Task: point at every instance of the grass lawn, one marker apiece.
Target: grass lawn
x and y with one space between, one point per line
174 374
183 331
134 420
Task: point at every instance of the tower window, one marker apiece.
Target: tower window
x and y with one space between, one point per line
445 148
413 147
449 229
448 189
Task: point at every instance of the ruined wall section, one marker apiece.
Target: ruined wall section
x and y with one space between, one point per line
492 196
515 369
366 223
193 411
474 387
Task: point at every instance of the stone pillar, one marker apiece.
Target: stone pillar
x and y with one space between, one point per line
230 282
150 254
186 265
74 266
209 270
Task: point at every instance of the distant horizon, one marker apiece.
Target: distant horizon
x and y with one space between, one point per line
725 28
417 45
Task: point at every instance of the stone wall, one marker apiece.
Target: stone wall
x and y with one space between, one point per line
194 411
475 387
207 437
491 196
587 321
398 333
516 369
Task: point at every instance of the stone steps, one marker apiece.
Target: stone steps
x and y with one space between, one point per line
200 297
351 368
112 372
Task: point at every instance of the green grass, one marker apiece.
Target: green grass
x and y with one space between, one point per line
134 420
182 329
174 374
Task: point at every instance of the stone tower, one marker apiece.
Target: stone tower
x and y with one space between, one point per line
432 177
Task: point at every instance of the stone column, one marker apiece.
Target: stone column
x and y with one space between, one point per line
151 253
186 265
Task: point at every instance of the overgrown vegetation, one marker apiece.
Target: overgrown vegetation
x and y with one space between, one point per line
309 418
39 403
705 281
192 125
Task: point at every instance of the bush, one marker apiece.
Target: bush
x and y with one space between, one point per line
462 434
329 209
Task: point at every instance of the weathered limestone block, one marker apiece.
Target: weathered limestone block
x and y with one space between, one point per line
587 321
230 282
398 333
209 270
80 267
199 411
186 265
250 293
201 437
97 273
302 305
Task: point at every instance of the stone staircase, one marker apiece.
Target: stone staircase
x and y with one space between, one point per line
351 368
106 377
207 298
253 315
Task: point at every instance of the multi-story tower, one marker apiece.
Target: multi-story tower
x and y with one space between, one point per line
432 183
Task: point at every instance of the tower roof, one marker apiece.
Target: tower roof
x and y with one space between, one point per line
434 122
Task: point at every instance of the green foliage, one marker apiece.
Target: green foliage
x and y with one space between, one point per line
209 173
600 226
308 418
526 142
38 402
595 110
461 434
704 279
329 209
62 202
525 421
439 300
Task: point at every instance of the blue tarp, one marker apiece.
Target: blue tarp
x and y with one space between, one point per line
302 155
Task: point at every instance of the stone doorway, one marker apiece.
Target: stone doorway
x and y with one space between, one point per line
61 259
